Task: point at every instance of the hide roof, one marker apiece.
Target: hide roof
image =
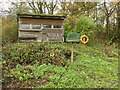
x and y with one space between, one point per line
41 16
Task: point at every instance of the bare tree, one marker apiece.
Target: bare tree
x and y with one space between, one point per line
108 10
118 18
43 7
36 6
51 6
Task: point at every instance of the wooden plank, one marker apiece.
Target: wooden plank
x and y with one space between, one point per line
56 39
29 30
27 38
40 21
53 31
31 34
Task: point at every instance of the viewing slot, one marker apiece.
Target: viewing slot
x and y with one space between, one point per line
47 26
25 26
57 26
36 27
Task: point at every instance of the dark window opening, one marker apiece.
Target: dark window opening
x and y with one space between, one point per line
36 26
57 26
47 26
25 26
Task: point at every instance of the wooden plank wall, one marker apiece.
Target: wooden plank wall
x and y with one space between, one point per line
45 34
40 21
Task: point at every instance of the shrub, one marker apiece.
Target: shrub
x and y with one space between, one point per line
67 28
84 25
9 29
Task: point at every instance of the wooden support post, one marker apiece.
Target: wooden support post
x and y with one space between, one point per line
72 52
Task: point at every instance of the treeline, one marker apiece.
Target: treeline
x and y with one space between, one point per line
105 16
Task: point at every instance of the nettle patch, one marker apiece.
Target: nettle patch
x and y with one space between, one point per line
31 53
18 57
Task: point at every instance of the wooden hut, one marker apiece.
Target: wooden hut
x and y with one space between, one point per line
42 28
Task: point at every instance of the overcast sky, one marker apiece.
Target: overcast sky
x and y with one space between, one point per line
5 4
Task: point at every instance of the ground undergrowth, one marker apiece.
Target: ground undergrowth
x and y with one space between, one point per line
47 65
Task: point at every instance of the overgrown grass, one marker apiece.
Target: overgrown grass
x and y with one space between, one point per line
93 67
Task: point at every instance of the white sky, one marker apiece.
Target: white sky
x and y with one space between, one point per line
5 4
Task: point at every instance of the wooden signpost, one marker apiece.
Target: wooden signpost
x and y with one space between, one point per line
72 37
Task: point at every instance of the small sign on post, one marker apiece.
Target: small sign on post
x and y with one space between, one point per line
72 37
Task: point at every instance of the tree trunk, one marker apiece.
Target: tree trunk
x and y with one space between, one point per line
107 25
96 12
118 19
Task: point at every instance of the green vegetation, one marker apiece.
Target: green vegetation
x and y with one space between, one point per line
32 65
47 65
84 25
9 29
79 19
